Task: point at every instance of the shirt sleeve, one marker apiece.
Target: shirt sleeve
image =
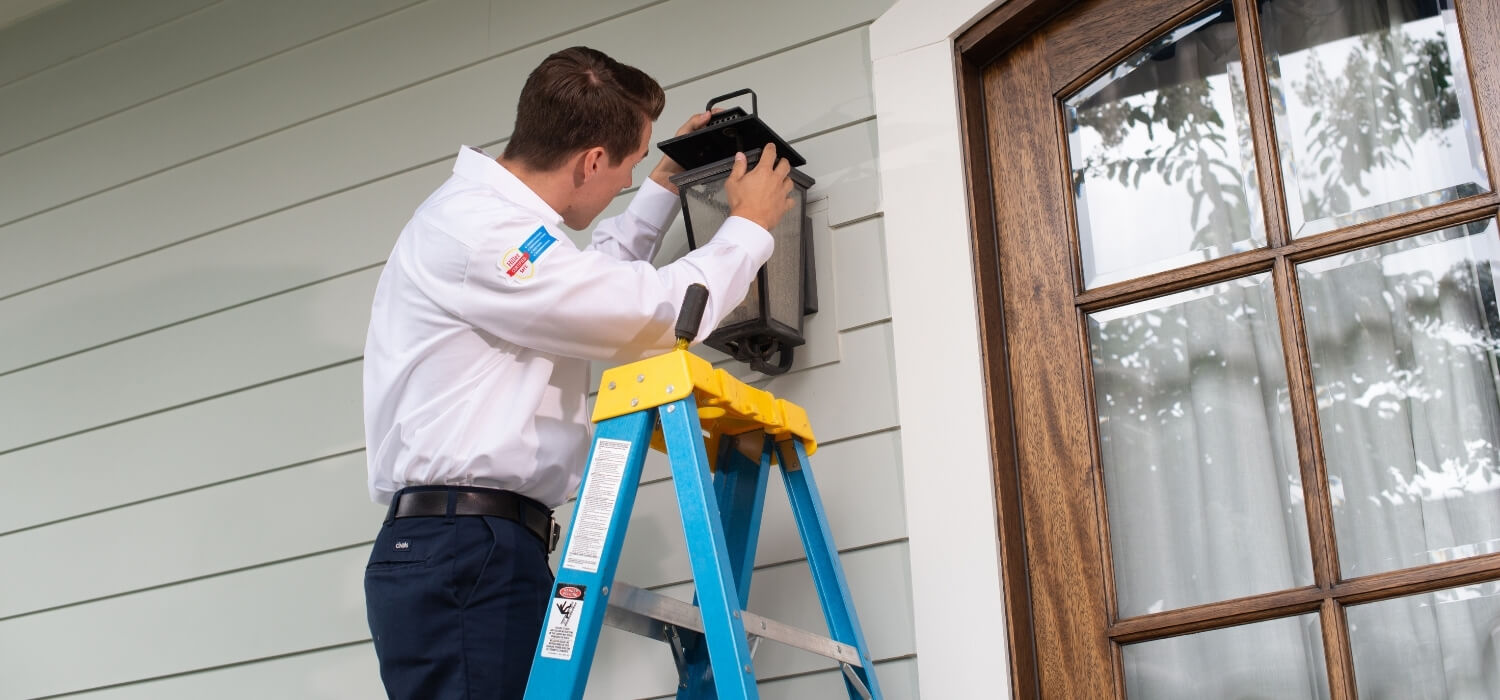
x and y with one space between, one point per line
636 233
587 304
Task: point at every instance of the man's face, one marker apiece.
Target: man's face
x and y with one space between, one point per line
602 186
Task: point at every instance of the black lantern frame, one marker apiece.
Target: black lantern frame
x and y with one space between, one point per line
754 332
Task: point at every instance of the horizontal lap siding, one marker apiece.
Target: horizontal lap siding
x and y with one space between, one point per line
312 416
347 671
303 82
355 145
101 554
217 39
78 28
187 257
318 601
354 228
180 630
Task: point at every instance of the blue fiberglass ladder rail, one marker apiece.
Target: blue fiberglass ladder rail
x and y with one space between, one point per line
746 429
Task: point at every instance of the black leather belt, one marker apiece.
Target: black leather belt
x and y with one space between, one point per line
433 501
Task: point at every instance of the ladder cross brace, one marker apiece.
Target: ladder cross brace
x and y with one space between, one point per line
648 614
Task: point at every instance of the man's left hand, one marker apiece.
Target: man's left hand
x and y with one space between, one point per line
668 167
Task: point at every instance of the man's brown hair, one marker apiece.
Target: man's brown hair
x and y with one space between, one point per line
579 98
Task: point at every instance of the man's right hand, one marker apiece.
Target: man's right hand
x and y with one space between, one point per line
760 195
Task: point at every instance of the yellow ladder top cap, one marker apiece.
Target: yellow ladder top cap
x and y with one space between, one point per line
660 380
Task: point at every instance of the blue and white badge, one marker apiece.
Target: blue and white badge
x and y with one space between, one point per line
520 263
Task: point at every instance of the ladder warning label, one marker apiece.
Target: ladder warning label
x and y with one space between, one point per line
596 503
562 621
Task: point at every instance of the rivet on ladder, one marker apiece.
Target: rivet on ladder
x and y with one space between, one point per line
634 402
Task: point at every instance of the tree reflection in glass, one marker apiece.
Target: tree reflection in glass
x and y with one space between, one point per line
1404 340
1163 167
1372 106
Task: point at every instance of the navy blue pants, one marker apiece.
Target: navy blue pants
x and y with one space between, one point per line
456 605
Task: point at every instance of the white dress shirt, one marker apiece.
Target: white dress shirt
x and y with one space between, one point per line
486 316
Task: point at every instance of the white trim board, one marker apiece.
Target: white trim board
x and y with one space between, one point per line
949 491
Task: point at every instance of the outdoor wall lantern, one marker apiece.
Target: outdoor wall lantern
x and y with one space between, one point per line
765 327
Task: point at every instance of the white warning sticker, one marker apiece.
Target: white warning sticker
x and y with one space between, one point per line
562 621
596 503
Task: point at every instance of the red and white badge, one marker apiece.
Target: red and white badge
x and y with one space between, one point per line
517 265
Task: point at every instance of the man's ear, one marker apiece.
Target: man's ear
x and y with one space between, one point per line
591 162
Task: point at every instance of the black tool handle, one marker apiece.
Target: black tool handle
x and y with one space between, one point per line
754 109
692 312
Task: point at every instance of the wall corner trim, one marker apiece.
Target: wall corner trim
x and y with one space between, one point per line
949 489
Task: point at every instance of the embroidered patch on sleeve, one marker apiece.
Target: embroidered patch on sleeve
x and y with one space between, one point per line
520 263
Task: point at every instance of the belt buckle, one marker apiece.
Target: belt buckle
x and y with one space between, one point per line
556 533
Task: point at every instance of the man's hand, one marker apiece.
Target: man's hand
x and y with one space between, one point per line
664 170
760 195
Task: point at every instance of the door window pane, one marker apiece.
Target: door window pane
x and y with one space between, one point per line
1434 646
1162 163
1273 659
1403 339
1199 458
1373 108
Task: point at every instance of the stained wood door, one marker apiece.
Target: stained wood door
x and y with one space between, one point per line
1240 315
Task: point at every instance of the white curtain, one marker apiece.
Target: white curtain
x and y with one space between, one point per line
1405 340
1201 475
1203 488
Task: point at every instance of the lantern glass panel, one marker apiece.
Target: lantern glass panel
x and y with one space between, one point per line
784 273
707 207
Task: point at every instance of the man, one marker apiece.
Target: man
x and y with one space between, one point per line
477 362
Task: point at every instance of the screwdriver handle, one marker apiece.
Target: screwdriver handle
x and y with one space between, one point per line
691 315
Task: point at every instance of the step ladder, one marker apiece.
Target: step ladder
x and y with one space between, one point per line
678 403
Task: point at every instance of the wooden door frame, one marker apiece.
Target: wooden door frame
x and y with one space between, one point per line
973 50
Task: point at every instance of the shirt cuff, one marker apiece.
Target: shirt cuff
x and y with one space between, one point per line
654 205
748 235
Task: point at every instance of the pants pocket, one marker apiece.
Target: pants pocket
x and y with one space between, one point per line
411 542
474 549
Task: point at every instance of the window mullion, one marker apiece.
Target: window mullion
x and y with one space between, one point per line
1315 493
1303 402
1339 655
1262 126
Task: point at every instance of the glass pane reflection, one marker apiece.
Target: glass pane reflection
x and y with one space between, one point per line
1429 647
1273 659
1373 108
1162 163
1403 339
1199 457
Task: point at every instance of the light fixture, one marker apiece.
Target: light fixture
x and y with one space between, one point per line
765 327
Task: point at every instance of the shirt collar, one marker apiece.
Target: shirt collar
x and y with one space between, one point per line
474 164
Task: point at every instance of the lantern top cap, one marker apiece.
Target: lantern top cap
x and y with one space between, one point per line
728 132
718 168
